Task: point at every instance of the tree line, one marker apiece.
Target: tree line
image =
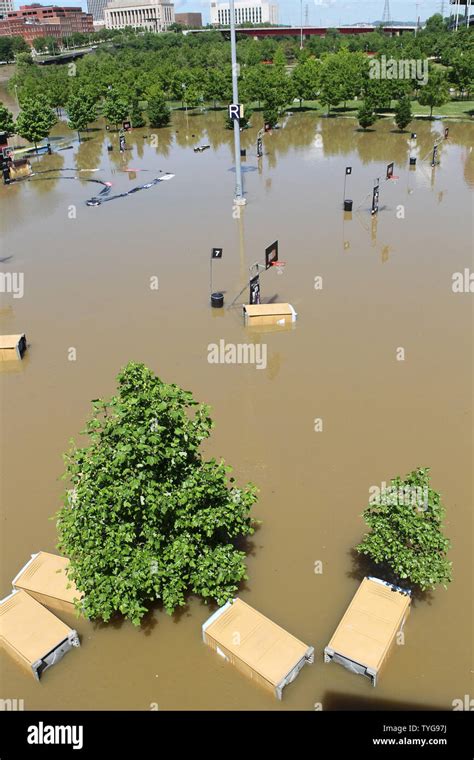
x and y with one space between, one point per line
139 75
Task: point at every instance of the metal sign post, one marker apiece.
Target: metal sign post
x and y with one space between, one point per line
239 195
271 260
347 173
216 253
375 198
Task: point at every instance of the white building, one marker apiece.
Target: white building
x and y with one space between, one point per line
5 7
246 12
152 15
97 8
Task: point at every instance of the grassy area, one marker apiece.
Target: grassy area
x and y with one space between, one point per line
460 109
455 109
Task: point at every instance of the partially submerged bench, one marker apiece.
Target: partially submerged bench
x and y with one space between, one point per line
44 578
32 635
12 346
269 314
256 646
364 637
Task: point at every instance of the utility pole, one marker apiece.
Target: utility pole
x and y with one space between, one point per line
239 199
301 40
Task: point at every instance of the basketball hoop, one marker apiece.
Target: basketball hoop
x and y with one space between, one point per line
280 266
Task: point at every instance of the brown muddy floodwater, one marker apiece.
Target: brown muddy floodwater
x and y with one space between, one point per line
386 284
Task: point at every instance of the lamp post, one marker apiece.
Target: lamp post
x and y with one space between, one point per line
301 38
239 195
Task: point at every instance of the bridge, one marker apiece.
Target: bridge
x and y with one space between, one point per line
308 31
65 57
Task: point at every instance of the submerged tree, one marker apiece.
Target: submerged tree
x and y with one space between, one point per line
35 119
7 123
81 109
406 532
149 518
403 113
159 114
366 115
115 108
136 115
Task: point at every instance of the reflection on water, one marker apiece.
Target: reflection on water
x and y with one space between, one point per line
386 283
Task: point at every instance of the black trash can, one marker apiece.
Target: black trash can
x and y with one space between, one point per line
217 300
348 205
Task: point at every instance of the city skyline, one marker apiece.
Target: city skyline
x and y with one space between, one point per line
320 12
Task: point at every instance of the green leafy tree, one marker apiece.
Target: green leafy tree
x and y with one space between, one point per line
40 44
270 114
406 532
305 80
192 95
52 45
462 73
7 123
217 86
148 518
159 114
57 86
436 92
136 115
366 114
279 59
7 52
115 108
254 82
81 109
23 60
35 119
332 86
403 113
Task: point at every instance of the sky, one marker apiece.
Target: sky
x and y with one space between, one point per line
320 12
335 12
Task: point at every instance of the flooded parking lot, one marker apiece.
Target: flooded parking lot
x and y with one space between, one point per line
384 284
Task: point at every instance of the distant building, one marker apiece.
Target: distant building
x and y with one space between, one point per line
152 15
189 19
246 12
461 13
96 8
5 7
32 21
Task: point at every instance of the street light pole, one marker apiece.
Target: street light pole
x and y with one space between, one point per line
301 39
239 195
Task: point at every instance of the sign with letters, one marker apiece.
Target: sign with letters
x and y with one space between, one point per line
236 111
